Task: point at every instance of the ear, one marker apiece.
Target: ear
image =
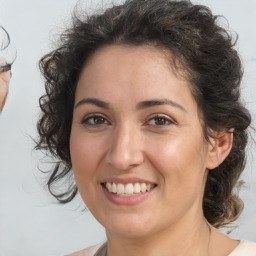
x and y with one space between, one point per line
219 148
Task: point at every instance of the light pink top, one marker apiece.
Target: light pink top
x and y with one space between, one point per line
245 248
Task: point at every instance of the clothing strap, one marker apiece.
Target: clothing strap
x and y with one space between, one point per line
102 251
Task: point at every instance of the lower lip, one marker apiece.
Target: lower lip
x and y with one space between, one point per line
127 200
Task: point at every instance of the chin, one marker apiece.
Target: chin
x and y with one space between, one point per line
130 227
130 232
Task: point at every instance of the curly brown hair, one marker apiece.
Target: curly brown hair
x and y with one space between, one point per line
5 64
205 51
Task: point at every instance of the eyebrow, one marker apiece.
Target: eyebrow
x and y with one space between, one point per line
93 101
139 106
157 102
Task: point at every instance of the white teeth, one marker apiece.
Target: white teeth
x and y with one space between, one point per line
128 189
120 188
113 188
137 188
143 187
108 185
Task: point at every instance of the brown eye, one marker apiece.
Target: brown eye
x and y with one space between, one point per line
94 120
98 120
160 121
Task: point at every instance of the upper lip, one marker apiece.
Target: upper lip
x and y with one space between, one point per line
132 180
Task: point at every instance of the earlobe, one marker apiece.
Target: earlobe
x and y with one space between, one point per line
219 148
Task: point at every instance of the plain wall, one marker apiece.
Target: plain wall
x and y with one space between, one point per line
32 223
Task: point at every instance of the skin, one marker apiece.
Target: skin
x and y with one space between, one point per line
127 141
4 85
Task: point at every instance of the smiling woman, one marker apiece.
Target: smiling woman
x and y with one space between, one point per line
143 104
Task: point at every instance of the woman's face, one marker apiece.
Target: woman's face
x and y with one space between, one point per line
137 147
4 85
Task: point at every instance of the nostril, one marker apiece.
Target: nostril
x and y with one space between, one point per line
125 159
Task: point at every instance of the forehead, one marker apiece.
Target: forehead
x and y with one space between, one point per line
138 54
123 61
132 73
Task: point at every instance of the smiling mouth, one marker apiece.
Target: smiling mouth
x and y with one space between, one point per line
129 189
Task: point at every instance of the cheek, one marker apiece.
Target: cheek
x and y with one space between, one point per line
181 160
87 152
83 157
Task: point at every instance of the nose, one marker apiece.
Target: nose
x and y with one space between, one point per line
126 149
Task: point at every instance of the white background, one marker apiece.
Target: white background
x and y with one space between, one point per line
31 222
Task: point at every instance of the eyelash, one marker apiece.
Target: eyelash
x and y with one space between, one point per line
93 117
98 117
167 121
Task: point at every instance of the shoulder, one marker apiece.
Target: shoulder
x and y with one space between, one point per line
90 251
245 248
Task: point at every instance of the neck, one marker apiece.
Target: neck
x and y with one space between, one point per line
188 237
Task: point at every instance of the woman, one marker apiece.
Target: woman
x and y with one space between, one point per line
143 105
5 73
